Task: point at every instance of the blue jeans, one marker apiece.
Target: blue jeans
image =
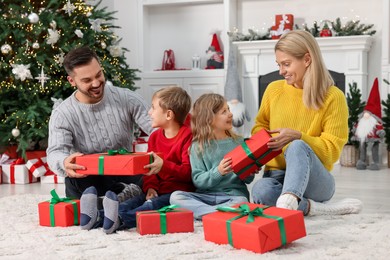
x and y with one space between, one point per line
305 177
128 209
202 204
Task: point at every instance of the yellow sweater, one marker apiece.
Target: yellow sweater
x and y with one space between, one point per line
324 130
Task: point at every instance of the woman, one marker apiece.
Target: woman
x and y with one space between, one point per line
307 116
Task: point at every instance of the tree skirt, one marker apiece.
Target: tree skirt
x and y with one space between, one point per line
359 236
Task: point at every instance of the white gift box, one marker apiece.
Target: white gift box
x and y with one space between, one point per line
38 167
53 178
17 174
140 144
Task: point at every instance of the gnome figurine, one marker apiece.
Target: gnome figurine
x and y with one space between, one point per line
233 92
369 130
214 54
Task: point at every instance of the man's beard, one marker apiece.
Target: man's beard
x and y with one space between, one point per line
366 127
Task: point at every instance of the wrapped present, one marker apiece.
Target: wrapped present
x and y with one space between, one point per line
59 212
51 177
35 154
115 162
140 144
4 159
283 24
251 154
17 173
38 167
169 219
254 227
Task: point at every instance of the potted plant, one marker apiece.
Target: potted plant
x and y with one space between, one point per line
350 153
386 123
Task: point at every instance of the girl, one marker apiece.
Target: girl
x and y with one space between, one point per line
216 184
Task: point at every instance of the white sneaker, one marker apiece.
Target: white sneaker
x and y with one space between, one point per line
345 206
287 201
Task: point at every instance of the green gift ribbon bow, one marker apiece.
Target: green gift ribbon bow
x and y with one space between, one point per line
251 156
244 210
114 152
56 199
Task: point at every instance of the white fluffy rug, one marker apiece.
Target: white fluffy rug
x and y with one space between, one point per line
364 236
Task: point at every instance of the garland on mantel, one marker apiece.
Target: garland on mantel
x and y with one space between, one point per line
350 28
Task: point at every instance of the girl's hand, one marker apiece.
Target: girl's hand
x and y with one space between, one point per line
152 193
284 137
224 166
156 166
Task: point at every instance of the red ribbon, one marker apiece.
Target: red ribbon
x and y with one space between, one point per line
37 165
18 161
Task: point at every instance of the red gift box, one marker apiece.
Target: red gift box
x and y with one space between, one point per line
252 154
116 164
59 212
254 227
35 154
283 24
169 219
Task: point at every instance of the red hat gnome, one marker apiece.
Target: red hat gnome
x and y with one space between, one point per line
214 54
369 130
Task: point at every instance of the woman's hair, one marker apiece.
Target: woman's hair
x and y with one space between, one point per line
78 57
175 99
317 78
203 113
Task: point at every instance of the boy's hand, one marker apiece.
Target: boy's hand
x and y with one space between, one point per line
152 193
156 166
224 166
71 167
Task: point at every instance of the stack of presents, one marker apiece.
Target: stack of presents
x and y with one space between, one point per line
255 227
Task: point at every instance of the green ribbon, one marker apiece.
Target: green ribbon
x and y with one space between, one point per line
251 156
244 210
56 199
115 152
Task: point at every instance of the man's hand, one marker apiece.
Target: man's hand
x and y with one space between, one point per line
156 166
152 193
71 167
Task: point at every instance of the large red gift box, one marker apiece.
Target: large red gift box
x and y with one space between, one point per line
248 157
118 164
169 219
59 212
254 227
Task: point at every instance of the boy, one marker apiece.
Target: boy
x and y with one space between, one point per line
170 107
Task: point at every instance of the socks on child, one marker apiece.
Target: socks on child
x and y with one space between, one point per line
111 220
287 201
88 208
345 206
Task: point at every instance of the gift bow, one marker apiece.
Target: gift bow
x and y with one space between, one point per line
56 199
163 217
4 158
244 210
119 151
18 161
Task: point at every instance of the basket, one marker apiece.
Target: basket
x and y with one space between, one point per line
349 156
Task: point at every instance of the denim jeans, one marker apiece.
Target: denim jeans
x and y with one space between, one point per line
305 177
202 204
128 209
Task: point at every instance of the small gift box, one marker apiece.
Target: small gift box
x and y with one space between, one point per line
251 154
51 177
115 162
59 212
169 219
140 145
254 227
17 173
283 24
38 167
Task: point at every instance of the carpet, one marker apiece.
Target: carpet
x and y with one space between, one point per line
362 236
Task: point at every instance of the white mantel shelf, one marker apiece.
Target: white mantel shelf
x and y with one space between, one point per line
344 54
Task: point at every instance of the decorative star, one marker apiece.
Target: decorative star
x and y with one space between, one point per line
21 71
42 78
59 58
69 7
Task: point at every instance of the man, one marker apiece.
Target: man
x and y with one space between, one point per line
95 118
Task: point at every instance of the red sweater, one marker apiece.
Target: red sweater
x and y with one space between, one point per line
175 173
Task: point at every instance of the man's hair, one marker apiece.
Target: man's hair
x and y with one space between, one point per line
176 99
79 57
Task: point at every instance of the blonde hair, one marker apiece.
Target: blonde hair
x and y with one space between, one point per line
175 99
203 113
317 79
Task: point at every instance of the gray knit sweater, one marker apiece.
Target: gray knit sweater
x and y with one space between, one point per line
95 128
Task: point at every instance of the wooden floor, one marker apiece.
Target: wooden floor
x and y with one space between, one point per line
372 187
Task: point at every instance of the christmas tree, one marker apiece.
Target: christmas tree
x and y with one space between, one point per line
34 37
355 108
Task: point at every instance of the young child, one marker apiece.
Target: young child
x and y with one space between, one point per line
170 107
216 184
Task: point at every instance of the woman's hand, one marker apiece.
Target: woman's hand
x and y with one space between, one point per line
224 166
284 137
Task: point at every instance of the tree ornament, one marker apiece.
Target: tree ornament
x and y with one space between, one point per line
21 71
15 132
6 48
69 8
35 45
103 44
325 31
53 24
33 18
53 37
42 78
79 33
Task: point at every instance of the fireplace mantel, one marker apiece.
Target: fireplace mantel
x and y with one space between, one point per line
347 54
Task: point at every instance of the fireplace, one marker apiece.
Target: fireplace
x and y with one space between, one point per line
347 55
